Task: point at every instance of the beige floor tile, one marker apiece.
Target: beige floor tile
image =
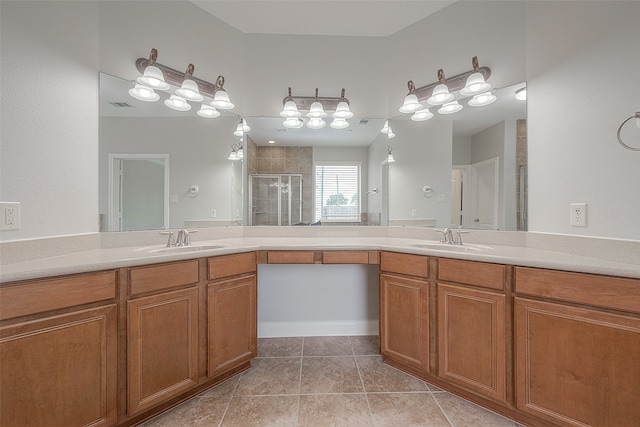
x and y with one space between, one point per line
337 410
271 376
330 375
434 388
280 347
462 413
262 411
327 346
366 345
378 377
406 410
197 412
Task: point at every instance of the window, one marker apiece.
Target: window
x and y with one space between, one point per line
337 191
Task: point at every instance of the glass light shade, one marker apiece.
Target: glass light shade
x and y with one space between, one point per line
221 100
385 128
475 85
521 94
189 90
239 130
245 127
450 108
339 123
316 111
177 103
153 78
143 93
292 123
342 111
290 109
233 156
316 123
422 115
208 112
440 95
240 153
482 99
390 158
390 134
411 104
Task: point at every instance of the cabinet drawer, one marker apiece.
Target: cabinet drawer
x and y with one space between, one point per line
348 257
471 273
291 257
412 265
231 265
52 294
162 276
603 291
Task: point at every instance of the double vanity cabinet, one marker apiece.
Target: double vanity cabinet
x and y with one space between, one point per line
115 347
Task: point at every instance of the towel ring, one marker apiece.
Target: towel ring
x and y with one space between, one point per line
635 116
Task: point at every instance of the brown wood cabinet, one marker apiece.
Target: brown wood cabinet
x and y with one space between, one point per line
471 339
232 312
162 347
60 370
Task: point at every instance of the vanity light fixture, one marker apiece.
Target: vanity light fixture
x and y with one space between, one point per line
411 103
389 158
242 128
387 129
159 77
189 89
237 153
316 111
521 94
470 83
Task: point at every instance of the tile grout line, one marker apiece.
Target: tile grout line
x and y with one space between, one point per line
442 410
366 397
226 408
300 382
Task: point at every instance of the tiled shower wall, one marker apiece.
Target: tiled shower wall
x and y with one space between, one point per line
285 160
521 172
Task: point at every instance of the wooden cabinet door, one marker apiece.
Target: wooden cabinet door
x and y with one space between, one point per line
575 366
471 339
404 320
60 370
232 329
162 347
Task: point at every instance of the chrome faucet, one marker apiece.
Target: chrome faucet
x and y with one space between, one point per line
183 237
448 237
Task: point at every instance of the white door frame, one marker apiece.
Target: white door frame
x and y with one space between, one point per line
114 221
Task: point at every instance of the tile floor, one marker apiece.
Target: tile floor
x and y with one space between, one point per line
325 382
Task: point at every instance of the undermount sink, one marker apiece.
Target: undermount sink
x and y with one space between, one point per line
191 248
454 248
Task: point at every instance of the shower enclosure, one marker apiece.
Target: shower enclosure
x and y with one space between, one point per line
275 199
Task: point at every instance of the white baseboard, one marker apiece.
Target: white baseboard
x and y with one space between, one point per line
309 329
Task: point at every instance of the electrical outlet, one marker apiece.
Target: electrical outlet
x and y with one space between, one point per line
9 215
578 215
213 213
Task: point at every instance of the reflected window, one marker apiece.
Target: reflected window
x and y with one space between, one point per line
337 191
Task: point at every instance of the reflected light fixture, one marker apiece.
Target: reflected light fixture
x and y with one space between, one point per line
316 123
422 115
143 93
339 123
237 153
178 103
207 111
475 82
411 103
242 128
389 158
385 128
482 99
450 108
521 94
152 76
292 123
315 106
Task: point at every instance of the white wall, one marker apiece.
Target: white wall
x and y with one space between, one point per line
579 93
423 157
200 159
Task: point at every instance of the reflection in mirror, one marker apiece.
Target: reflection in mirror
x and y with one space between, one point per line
198 149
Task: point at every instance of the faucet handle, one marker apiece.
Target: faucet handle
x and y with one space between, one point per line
170 241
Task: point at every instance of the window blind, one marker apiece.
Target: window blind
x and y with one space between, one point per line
337 192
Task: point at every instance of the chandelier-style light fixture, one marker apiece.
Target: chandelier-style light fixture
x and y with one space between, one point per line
471 84
316 114
190 89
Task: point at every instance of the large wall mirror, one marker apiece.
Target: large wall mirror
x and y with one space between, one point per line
467 169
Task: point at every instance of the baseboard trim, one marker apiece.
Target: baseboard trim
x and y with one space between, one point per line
309 329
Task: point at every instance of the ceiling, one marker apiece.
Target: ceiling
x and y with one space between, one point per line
321 17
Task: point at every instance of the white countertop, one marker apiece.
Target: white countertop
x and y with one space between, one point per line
116 257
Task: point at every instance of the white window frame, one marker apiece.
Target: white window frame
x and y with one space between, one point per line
358 191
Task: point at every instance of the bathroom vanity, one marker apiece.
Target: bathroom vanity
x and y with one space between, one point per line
121 344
